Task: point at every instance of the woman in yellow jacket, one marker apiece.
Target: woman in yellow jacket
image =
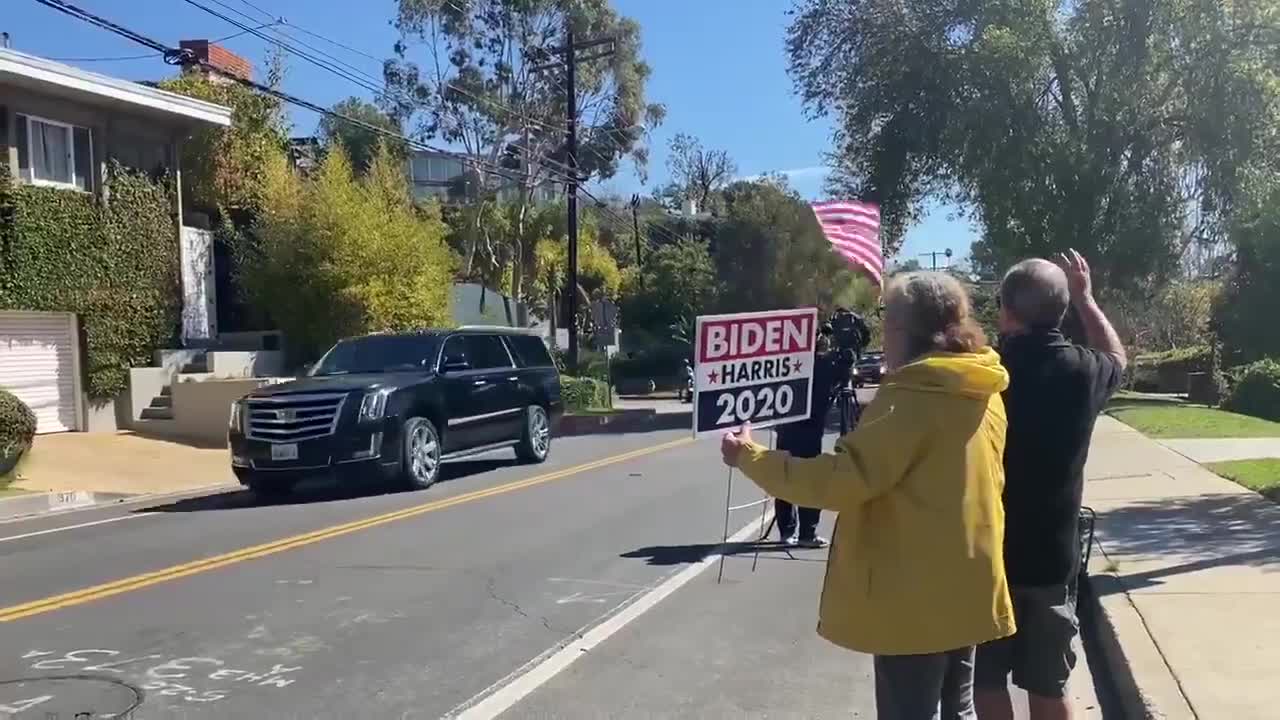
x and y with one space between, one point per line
915 574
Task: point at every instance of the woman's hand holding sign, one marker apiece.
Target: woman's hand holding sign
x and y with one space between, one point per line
732 444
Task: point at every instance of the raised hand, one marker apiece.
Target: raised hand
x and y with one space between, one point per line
1079 279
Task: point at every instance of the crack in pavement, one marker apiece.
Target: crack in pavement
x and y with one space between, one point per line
492 587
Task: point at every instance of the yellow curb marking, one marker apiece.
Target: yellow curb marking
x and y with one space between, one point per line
137 582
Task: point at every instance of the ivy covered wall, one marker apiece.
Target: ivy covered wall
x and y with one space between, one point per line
115 264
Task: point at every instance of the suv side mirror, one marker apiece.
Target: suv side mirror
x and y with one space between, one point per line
456 364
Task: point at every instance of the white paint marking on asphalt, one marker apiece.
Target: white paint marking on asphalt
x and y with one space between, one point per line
504 694
629 586
81 525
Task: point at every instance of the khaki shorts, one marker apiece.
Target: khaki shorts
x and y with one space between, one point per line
1040 656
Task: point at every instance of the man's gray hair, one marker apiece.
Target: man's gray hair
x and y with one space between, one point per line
1035 293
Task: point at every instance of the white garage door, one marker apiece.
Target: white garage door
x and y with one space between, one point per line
38 364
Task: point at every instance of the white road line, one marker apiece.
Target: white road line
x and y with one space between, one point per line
207 490
499 698
73 527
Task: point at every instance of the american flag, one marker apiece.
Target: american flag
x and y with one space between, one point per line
853 229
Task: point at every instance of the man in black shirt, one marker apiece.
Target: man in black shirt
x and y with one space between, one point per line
1056 391
804 440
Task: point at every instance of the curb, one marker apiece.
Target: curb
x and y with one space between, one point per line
101 499
622 421
1143 684
37 503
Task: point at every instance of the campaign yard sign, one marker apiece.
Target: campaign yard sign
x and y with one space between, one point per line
753 367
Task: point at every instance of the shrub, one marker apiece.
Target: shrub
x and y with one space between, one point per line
17 428
335 256
1167 371
664 364
1255 390
115 265
581 393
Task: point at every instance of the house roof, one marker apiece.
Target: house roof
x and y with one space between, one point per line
54 78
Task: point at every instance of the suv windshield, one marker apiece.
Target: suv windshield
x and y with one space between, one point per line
379 353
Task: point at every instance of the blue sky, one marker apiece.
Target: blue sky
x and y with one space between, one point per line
718 66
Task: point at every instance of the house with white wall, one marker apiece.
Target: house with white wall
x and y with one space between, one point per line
59 127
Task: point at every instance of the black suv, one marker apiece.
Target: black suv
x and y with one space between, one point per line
396 406
870 368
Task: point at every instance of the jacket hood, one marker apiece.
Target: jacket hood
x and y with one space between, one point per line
978 375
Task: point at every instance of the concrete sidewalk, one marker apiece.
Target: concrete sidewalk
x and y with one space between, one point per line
1206 450
122 463
746 647
1188 580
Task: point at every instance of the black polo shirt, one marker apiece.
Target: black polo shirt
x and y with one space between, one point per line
1056 390
804 439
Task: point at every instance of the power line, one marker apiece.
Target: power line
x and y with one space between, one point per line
259 8
331 41
173 56
148 56
281 33
375 88
305 56
188 58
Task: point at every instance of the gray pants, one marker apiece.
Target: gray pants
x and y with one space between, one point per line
925 687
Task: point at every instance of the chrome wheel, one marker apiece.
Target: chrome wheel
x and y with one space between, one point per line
539 431
423 454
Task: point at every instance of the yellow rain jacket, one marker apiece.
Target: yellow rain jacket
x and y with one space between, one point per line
916 563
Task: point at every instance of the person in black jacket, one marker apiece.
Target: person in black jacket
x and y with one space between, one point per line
804 440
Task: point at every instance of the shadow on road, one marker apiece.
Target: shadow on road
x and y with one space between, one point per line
625 422
1201 532
319 491
668 555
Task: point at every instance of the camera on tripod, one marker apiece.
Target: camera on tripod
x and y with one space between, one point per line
849 335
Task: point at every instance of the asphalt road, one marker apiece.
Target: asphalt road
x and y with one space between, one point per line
346 604
581 588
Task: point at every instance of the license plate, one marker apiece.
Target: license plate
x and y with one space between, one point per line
284 452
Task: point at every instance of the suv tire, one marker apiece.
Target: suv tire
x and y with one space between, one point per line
535 439
420 453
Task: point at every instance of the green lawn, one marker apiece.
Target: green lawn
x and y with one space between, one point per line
1167 419
1262 476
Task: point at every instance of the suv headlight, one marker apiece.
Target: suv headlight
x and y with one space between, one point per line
373 406
236 422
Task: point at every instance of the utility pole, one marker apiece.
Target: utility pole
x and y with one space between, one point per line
571 105
635 225
570 59
933 257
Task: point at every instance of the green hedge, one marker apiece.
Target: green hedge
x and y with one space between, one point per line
585 394
1167 371
1255 390
17 428
114 264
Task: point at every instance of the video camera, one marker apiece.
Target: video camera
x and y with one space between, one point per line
849 335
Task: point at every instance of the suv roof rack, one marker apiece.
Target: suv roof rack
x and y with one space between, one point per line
500 328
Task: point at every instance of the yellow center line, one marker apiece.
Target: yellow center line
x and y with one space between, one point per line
137 582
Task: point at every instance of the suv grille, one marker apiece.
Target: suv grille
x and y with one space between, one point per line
290 418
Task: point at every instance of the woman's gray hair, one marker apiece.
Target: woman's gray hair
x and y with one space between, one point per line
936 314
